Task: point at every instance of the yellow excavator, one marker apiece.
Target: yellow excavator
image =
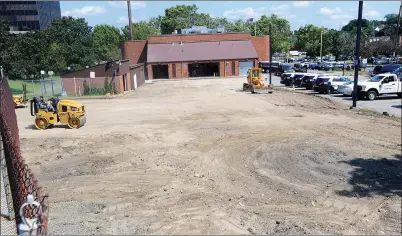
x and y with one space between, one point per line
54 111
255 80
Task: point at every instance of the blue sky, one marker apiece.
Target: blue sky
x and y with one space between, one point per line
327 14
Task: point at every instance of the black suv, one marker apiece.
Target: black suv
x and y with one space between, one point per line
264 65
284 68
300 68
382 69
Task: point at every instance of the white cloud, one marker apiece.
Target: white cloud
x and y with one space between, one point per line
123 4
300 4
328 11
280 7
336 16
244 13
371 14
249 12
123 20
85 11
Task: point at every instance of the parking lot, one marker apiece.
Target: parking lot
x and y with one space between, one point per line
203 157
390 104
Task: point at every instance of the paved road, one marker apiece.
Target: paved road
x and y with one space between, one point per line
390 104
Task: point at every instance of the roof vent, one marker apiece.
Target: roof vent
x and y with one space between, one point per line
219 43
181 42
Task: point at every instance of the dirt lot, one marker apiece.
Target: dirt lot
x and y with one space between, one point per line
200 157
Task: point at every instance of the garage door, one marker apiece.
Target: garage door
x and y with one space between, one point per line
244 66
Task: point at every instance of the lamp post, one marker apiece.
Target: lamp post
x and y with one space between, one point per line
42 73
51 80
322 31
397 31
270 54
357 55
130 21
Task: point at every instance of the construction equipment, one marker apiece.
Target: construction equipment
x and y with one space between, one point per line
54 111
19 101
255 80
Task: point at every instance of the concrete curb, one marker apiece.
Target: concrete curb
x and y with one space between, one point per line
358 110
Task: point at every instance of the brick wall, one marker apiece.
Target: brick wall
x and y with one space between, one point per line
135 51
261 45
197 37
149 69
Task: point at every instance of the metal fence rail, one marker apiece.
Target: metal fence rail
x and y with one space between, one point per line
36 88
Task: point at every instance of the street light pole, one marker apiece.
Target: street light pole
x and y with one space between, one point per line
270 53
397 30
321 48
130 21
357 56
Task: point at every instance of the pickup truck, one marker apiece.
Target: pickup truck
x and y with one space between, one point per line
379 85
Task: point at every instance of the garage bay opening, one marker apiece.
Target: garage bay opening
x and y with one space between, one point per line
203 69
160 71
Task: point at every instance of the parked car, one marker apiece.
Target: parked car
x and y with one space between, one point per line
264 65
284 68
346 89
286 79
342 65
300 68
379 85
309 80
329 83
398 72
329 66
381 61
382 69
296 79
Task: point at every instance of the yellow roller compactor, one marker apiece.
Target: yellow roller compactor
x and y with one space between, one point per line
54 111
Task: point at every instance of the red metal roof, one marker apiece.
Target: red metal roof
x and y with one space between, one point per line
201 51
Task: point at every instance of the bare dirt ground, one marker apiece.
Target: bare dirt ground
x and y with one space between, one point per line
200 157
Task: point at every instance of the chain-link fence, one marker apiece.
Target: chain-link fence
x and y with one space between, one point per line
35 88
75 87
21 179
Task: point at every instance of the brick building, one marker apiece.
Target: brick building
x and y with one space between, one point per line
120 73
197 55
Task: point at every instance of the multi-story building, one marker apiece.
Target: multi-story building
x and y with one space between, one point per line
29 15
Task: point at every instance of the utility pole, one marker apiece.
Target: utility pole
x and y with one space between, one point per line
357 56
130 21
270 54
397 30
321 48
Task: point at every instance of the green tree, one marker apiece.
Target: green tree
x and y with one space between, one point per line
309 40
179 16
141 30
106 85
75 42
106 42
85 87
281 33
352 25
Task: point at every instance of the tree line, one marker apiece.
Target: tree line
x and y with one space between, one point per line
71 43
